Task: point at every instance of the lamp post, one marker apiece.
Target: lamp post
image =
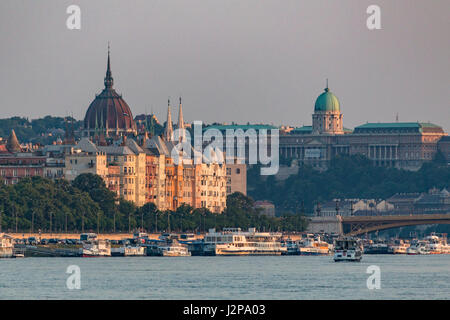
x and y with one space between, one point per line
351 208
168 221
114 221
32 221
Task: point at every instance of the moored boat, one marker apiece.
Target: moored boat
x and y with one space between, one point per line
96 248
438 244
174 249
418 247
347 249
313 246
233 241
6 246
398 247
376 248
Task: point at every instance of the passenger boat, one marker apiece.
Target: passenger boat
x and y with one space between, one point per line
398 247
313 246
438 244
128 251
96 248
174 249
291 247
347 249
418 247
6 246
376 248
233 241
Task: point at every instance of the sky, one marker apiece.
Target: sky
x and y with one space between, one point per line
257 61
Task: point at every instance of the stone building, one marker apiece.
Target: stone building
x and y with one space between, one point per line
398 144
17 162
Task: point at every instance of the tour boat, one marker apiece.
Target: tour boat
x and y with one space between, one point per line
347 249
128 251
418 247
96 248
174 249
313 246
6 246
438 244
233 241
376 248
291 247
398 247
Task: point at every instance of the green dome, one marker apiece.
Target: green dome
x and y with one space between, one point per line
327 101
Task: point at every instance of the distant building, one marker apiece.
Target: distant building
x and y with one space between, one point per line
236 177
434 201
403 202
17 162
348 207
266 207
398 144
444 148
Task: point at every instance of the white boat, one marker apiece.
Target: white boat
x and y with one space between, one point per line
6 246
128 251
233 241
291 247
418 247
347 249
398 247
438 244
174 249
96 248
313 246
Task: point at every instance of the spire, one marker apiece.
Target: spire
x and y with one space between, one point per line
108 78
327 89
169 130
13 144
181 121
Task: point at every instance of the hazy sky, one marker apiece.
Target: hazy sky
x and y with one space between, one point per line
253 61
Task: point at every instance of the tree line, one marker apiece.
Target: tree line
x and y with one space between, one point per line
86 205
346 177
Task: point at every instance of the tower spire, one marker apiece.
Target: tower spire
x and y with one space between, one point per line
181 122
108 78
169 130
327 89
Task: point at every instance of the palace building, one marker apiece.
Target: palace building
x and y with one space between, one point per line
403 145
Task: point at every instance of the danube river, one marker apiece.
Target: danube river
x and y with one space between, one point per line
285 277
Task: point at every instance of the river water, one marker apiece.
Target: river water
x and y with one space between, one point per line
285 277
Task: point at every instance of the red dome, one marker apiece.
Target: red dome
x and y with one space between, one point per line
109 113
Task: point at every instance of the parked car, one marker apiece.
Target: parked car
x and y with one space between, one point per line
44 241
32 241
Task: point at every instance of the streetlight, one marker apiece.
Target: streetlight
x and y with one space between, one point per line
168 221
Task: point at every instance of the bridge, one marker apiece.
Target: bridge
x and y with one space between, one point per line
356 225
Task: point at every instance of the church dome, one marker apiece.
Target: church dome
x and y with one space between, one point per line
327 101
109 112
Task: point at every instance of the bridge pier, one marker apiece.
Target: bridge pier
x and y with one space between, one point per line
331 224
